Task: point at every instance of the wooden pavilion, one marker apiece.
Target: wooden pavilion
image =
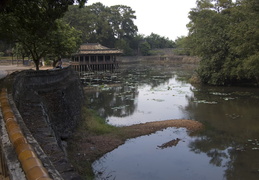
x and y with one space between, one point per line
95 57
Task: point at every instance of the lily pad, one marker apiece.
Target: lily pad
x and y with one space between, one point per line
158 100
205 102
219 94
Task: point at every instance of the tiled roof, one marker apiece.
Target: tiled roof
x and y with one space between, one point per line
95 48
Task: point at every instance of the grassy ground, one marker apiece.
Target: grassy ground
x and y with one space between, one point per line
10 58
94 138
91 126
6 58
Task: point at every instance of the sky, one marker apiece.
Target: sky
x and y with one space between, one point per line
167 18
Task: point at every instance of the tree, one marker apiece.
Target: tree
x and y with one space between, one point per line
19 50
66 40
145 48
32 23
156 41
110 26
101 30
208 40
181 44
124 45
225 36
121 20
244 38
5 46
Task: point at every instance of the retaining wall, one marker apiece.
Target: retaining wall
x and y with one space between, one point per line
27 151
49 103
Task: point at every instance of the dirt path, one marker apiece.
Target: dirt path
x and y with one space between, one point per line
8 69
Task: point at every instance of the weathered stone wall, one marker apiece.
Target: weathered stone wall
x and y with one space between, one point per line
50 104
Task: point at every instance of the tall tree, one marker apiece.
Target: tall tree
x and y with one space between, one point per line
80 19
32 23
121 19
101 29
66 40
244 38
105 25
225 35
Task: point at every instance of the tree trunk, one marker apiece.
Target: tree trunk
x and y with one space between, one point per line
55 62
37 62
23 56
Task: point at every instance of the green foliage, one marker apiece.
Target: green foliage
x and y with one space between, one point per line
20 51
102 24
121 18
181 44
225 35
145 48
96 124
112 27
65 41
32 24
91 124
124 45
156 41
48 62
4 46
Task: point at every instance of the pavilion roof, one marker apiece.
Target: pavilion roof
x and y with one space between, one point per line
96 48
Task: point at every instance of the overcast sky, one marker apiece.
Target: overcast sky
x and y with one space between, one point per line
166 18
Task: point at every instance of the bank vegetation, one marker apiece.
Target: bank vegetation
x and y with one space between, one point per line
225 35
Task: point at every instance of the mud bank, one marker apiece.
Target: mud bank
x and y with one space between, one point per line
91 146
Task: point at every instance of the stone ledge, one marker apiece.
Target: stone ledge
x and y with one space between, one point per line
50 110
9 155
42 156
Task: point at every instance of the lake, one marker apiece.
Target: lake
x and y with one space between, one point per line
228 147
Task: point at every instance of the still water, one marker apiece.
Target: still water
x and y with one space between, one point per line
228 148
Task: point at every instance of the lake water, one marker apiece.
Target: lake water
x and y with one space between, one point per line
228 148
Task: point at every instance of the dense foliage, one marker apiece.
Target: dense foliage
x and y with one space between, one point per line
113 27
55 28
33 24
226 36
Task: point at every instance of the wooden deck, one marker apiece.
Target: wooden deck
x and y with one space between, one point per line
100 66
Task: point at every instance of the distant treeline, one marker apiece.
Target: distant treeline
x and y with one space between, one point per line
113 27
55 29
222 33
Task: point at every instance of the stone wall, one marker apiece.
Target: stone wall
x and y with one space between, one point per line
50 104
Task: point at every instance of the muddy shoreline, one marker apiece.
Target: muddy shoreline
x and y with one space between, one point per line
89 146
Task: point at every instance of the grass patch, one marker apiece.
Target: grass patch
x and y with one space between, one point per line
94 137
91 125
10 58
95 124
6 58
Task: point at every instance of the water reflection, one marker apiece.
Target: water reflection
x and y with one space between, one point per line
228 148
116 100
231 124
142 159
142 95
235 109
